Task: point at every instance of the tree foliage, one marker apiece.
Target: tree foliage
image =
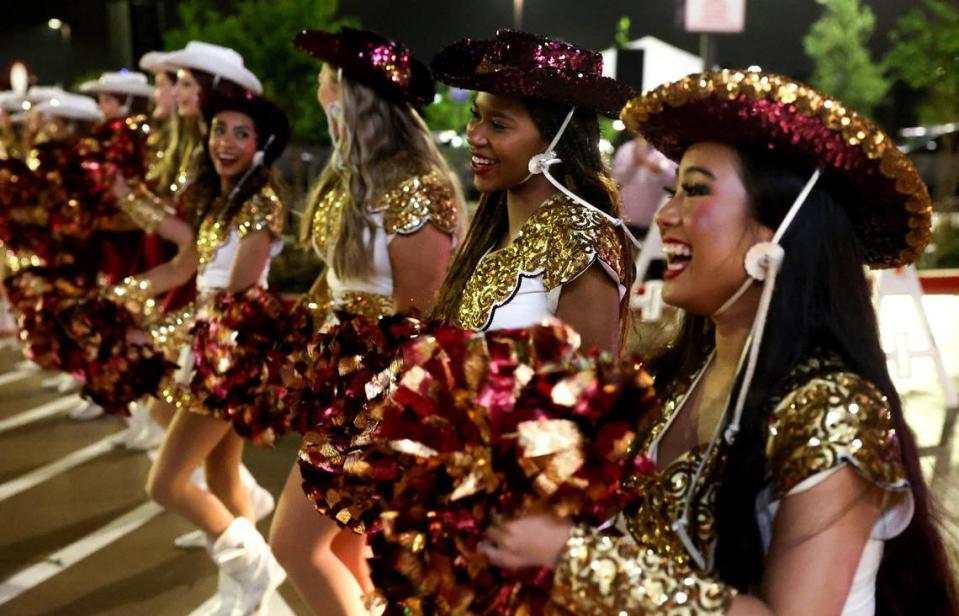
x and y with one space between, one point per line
925 55
450 110
843 67
262 31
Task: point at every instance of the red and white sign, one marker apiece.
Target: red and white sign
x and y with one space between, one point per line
715 15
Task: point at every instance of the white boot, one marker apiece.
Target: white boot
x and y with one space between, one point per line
261 502
61 383
86 411
26 365
241 553
143 434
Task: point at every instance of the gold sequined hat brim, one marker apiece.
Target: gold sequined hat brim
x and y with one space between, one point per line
886 199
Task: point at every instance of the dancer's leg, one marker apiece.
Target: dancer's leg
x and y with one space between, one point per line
189 441
303 541
223 475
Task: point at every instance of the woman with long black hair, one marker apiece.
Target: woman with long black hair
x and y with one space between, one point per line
546 239
788 480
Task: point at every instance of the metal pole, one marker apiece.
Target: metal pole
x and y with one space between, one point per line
517 14
704 54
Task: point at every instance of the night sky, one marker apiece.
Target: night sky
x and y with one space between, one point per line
773 36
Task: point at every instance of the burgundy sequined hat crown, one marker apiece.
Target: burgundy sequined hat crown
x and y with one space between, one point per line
531 66
383 65
267 116
886 199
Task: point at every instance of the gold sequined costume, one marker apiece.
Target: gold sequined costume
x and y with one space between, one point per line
560 241
828 417
262 211
402 210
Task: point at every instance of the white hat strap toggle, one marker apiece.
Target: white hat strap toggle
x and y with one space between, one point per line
540 164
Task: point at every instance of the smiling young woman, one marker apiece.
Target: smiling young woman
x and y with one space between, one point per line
233 219
240 217
788 480
538 247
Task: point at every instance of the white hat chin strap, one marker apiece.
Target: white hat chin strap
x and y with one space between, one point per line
127 105
540 164
762 264
258 159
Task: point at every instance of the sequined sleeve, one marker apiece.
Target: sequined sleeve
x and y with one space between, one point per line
263 210
834 419
417 201
579 238
602 576
560 242
144 208
171 330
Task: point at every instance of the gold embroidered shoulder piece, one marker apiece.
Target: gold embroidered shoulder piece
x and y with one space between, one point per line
327 219
599 575
416 201
262 211
832 419
560 241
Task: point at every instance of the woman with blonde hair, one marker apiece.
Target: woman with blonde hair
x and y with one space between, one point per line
384 217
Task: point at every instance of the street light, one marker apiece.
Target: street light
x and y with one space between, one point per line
56 24
518 14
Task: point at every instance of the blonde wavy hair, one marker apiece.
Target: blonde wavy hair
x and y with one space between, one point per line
185 136
381 144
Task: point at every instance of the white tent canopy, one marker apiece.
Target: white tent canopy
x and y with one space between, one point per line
662 62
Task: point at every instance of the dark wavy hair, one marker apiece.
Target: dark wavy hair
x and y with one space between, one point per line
822 301
582 171
204 191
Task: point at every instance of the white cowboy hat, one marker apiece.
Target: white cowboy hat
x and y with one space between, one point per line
73 106
122 82
221 62
156 61
38 94
10 101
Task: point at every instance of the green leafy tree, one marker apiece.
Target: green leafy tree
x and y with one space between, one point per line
621 38
262 31
450 110
836 43
925 55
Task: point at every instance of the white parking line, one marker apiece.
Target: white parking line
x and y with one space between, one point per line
37 413
60 560
16 376
72 460
275 606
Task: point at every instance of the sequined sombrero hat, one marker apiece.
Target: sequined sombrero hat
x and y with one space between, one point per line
377 62
531 66
887 200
